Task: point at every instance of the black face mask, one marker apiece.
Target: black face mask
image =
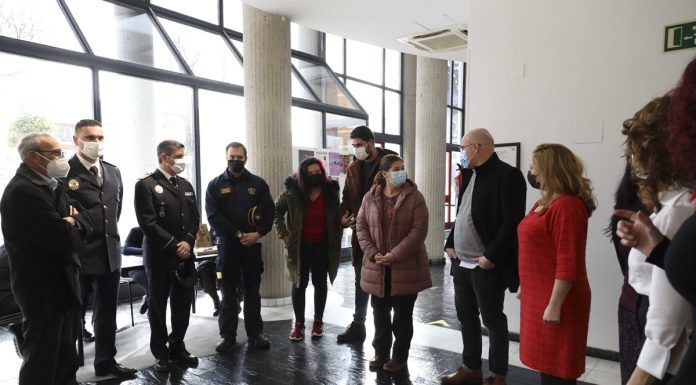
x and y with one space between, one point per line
236 166
315 180
532 179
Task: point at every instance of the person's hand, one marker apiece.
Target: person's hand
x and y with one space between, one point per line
248 239
640 377
637 230
73 210
552 314
285 240
385 260
484 263
183 250
347 220
451 254
519 292
70 220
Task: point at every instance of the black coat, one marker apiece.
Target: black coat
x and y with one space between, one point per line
167 216
498 204
102 254
42 245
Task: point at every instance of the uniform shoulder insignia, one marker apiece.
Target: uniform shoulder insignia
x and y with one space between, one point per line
110 164
145 176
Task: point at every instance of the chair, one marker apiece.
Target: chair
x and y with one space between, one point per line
129 282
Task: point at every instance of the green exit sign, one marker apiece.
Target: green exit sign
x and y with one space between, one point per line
680 36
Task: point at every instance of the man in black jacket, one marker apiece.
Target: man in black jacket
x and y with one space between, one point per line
165 205
482 246
97 185
241 211
43 230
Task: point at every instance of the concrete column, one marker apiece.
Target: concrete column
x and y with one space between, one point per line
267 93
431 118
408 113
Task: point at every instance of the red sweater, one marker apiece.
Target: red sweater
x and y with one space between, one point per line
314 223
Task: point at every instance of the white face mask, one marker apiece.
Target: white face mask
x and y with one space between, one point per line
361 153
92 150
179 166
57 168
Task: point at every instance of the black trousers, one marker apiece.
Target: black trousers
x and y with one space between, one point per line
49 349
482 291
361 298
551 380
401 326
162 286
242 267
314 258
105 290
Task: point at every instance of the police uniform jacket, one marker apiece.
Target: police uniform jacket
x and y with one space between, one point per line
102 254
42 245
167 215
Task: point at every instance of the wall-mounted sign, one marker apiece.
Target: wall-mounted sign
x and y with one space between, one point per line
680 36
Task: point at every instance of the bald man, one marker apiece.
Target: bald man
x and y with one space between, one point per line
43 230
482 246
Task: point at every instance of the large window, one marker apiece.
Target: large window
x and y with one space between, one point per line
456 78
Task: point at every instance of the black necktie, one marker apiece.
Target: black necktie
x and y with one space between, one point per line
95 172
173 180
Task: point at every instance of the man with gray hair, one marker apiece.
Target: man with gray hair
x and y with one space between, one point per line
43 230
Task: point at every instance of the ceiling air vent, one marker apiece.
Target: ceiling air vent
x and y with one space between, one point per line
450 39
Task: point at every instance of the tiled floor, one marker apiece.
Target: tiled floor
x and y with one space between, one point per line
435 349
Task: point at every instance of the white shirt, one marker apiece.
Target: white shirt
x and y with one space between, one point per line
166 174
88 164
669 314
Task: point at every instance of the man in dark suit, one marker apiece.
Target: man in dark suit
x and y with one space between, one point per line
165 205
482 246
97 185
43 230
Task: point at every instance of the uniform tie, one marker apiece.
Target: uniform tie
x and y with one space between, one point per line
95 172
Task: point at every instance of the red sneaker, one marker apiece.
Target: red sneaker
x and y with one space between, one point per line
317 329
297 333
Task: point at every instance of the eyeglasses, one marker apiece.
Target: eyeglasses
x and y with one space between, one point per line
465 146
55 153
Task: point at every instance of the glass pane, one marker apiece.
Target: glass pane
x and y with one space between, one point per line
370 98
200 9
456 126
304 39
206 53
338 130
334 52
323 83
396 148
141 113
449 83
392 113
222 120
458 80
38 21
233 13
299 90
448 127
306 128
61 102
239 45
392 70
122 33
364 61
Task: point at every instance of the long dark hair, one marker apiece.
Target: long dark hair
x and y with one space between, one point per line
626 197
384 165
302 175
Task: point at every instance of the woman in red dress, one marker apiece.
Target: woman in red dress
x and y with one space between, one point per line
554 291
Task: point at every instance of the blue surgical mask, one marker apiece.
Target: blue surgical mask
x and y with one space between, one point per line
463 159
398 178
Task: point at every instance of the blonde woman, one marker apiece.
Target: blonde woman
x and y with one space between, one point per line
554 291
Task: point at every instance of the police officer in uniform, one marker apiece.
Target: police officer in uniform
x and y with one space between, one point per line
241 210
165 205
97 185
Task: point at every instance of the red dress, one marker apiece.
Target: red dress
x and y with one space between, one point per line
552 246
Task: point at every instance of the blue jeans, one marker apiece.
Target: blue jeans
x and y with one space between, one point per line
361 298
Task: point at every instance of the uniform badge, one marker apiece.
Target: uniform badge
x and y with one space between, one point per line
161 212
73 184
159 189
188 193
252 191
225 190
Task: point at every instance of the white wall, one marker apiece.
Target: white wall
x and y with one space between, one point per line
588 65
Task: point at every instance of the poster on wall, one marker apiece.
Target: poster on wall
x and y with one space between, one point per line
336 162
509 153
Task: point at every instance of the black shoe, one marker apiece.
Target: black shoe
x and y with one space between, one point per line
216 313
184 359
116 370
143 307
87 336
18 337
162 365
259 342
354 333
226 346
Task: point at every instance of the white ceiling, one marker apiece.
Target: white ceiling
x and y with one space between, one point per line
378 22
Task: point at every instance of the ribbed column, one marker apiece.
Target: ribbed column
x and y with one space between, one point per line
431 119
267 94
408 114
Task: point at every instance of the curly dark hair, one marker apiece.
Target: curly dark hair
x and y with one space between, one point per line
646 150
682 126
